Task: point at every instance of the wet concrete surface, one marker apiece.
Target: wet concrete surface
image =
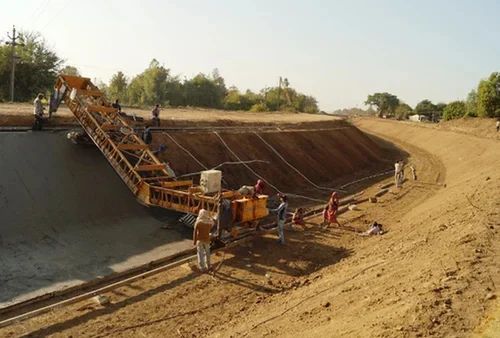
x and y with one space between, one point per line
66 217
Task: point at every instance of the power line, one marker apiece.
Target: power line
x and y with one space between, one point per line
38 11
55 15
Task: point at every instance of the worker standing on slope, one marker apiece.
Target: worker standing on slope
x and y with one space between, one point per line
155 116
331 210
398 172
298 217
201 238
281 211
38 112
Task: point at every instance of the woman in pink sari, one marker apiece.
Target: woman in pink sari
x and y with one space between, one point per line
330 211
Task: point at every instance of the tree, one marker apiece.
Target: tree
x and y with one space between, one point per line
386 103
117 88
488 96
69 70
471 103
233 99
425 107
402 111
36 69
454 110
439 109
150 87
203 91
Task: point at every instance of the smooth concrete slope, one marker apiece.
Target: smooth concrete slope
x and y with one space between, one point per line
66 217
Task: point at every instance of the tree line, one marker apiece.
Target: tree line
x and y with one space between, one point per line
484 101
37 67
156 85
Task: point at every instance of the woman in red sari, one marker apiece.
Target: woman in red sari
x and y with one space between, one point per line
330 211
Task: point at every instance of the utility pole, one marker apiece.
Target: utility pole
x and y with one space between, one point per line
279 94
13 45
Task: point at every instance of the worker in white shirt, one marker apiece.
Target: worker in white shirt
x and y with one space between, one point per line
38 112
398 173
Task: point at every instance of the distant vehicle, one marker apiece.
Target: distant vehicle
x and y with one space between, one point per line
418 118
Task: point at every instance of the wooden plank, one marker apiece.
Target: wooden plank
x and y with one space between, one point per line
132 146
150 167
155 178
109 126
176 184
92 92
102 109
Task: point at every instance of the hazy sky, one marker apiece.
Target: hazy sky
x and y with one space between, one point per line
337 51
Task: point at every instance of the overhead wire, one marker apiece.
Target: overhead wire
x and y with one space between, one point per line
245 164
294 168
186 151
223 164
262 178
55 15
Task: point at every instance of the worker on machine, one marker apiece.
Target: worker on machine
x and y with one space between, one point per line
170 171
116 105
259 188
147 136
331 210
201 238
281 212
38 112
155 116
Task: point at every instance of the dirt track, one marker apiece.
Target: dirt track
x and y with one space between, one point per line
434 273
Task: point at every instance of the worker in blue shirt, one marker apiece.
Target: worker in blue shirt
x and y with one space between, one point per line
281 211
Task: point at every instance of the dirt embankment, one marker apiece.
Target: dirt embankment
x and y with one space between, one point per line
330 156
434 273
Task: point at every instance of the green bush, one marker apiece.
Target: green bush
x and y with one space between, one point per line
259 107
454 110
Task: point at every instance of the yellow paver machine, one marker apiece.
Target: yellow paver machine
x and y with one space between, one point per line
143 173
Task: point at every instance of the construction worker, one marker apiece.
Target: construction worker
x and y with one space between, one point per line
298 217
155 116
38 112
147 136
116 105
259 188
224 217
170 171
398 173
201 238
413 172
375 229
331 210
281 211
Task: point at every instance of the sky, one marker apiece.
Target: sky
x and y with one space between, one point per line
337 51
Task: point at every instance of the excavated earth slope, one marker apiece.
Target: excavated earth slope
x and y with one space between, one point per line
65 216
434 273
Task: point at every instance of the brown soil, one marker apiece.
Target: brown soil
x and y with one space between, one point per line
21 114
328 157
434 272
